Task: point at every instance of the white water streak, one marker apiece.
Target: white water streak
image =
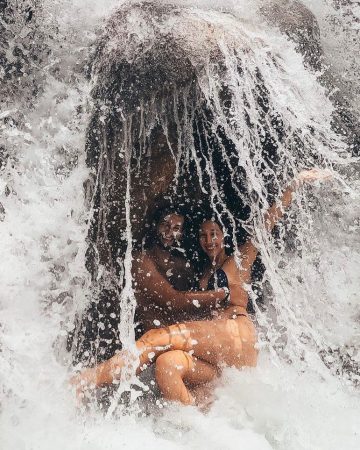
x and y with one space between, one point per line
279 405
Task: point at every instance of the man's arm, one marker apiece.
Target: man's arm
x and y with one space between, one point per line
157 289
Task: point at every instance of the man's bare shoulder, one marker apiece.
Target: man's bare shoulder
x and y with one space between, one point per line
142 259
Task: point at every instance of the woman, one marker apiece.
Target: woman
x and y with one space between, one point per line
192 353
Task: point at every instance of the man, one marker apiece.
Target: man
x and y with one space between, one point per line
165 261
163 257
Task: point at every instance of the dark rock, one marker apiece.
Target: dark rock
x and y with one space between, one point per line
154 139
2 212
23 50
300 25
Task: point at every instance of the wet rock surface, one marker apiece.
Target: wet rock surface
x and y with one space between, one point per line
155 126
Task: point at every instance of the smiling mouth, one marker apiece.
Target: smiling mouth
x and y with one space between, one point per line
168 240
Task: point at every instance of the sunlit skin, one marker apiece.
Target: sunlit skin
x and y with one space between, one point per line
164 266
190 354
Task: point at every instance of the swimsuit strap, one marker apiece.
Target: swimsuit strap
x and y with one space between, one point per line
219 280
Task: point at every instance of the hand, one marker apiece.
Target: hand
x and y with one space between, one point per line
311 175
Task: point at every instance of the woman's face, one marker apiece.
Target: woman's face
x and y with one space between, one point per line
211 239
170 229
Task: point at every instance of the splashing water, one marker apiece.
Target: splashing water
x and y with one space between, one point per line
309 326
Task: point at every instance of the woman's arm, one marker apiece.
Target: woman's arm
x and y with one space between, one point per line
248 251
277 210
153 287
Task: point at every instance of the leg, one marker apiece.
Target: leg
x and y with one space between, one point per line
226 341
155 342
150 346
175 368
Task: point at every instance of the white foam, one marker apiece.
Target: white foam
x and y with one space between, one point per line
291 402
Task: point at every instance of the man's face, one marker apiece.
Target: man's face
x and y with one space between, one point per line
170 229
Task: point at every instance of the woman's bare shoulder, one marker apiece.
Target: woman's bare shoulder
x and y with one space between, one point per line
234 269
229 264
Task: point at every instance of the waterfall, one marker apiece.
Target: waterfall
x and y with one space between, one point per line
217 106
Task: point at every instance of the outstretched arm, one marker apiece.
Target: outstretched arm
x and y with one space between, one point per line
248 251
277 210
157 289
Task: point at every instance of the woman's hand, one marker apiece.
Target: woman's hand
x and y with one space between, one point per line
312 175
276 211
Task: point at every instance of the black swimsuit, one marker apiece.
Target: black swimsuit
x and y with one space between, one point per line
219 280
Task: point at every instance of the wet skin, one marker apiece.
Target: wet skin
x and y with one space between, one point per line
211 238
191 353
170 229
174 267
164 266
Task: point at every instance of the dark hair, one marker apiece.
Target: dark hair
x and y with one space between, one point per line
214 220
191 239
162 213
226 228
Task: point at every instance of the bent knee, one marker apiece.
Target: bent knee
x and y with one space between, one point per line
155 337
174 361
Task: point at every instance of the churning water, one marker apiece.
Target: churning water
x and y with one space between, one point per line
304 394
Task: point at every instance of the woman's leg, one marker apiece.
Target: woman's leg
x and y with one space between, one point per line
228 341
176 369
